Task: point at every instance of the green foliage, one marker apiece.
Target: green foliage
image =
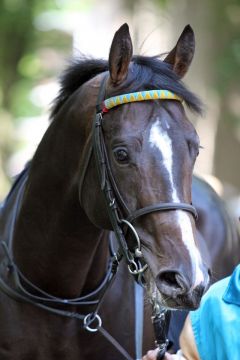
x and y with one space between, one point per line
25 62
228 48
162 3
20 64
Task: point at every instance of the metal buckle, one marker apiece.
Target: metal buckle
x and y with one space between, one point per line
138 272
98 119
89 319
138 252
137 269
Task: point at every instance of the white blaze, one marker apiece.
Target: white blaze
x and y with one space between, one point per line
159 138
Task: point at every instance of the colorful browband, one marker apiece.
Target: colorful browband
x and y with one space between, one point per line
139 96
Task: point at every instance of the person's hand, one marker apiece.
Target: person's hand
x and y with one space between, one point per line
152 355
171 357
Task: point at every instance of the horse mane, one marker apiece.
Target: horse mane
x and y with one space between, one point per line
147 73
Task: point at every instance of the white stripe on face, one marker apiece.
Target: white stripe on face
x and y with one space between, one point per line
160 139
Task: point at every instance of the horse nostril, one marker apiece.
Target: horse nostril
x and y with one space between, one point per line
170 282
169 277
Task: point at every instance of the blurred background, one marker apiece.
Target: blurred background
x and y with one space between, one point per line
38 37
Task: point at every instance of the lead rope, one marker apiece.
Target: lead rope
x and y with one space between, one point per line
161 320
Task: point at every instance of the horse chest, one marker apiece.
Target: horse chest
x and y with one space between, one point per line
27 333
28 336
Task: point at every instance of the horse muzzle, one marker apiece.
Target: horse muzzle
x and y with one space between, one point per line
176 291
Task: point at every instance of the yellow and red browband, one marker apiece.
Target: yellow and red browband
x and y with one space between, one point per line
139 96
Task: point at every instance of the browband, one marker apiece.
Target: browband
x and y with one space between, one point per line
138 96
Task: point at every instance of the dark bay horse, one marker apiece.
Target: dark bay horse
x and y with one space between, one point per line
57 222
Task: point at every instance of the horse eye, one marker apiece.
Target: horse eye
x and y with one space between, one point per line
193 148
121 155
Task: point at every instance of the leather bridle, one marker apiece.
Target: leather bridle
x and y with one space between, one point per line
120 216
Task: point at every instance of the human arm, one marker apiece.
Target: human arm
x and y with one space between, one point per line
187 341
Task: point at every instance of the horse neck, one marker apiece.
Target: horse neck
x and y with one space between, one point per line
55 245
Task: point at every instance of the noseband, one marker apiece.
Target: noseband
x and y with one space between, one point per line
120 216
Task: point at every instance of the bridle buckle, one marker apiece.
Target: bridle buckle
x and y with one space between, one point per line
89 319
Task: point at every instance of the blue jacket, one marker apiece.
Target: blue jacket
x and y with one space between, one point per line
216 324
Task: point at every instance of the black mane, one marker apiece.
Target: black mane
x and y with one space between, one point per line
147 73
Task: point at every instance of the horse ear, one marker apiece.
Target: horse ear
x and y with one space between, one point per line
182 54
120 55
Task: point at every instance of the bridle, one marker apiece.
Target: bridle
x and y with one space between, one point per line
120 216
121 219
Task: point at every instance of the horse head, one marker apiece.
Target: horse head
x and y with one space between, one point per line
151 148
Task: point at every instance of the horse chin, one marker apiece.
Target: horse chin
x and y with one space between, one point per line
153 294
188 301
183 302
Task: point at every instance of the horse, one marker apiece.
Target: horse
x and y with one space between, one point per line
105 202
